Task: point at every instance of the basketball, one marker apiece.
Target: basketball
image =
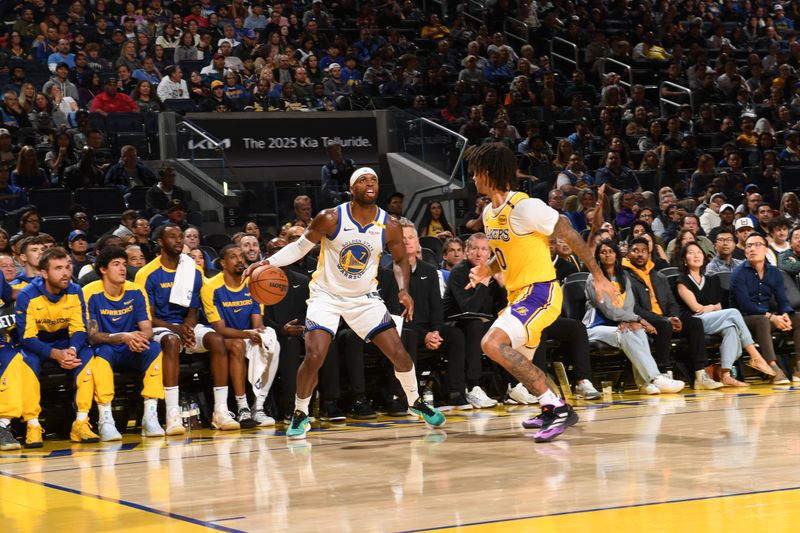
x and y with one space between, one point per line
268 285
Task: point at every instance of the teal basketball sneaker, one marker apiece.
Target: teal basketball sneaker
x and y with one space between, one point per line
298 426
432 417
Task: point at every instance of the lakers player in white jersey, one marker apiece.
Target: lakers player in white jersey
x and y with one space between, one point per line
344 285
518 228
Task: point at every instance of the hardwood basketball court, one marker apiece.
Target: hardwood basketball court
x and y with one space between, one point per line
711 461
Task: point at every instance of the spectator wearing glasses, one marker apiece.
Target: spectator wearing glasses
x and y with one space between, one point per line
724 244
754 284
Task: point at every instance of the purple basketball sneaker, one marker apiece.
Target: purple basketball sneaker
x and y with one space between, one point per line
555 421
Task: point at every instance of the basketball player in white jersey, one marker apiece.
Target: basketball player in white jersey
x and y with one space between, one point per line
344 285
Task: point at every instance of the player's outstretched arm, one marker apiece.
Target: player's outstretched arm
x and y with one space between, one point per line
323 224
564 230
400 266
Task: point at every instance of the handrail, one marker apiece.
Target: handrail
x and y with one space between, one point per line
629 83
213 143
575 60
456 167
186 126
508 34
680 88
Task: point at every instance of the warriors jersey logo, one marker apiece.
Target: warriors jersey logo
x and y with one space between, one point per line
353 259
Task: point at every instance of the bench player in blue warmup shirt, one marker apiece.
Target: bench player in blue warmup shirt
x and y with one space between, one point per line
232 312
121 333
51 325
177 328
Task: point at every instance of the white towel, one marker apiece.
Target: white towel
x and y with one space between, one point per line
263 359
183 286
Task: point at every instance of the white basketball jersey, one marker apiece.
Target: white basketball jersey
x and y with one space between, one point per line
349 259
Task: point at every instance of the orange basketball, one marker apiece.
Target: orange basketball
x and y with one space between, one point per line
268 284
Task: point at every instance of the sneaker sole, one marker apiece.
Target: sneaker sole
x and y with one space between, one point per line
151 435
247 425
33 445
176 431
92 440
227 427
111 439
10 447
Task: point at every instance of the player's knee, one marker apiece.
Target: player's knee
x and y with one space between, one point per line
235 347
214 342
314 359
489 346
171 346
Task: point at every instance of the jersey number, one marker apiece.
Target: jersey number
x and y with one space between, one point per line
501 259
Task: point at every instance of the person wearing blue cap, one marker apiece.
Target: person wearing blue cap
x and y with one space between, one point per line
78 244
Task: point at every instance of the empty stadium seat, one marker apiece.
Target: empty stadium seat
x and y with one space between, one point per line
52 201
101 200
57 226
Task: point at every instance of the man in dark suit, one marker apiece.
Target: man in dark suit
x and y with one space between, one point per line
487 299
428 321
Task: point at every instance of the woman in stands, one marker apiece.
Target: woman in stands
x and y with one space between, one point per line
28 174
638 124
27 94
146 98
790 207
707 123
160 58
197 91
563 153
653 138
92 88
684 238
186 50
704 173
315 75
60 157
434 222
650 161
128 56
620 327
169 37
702 296
5 243
16 49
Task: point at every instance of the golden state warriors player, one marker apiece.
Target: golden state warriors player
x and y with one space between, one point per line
518 228
344 285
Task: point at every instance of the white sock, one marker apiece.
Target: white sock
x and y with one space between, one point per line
260 398
104 412
301 404
221 398
241 401
4 422
408 380
33 422
171 397
81 416
150 406
549 398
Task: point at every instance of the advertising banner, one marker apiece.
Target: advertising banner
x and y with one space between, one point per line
286 139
